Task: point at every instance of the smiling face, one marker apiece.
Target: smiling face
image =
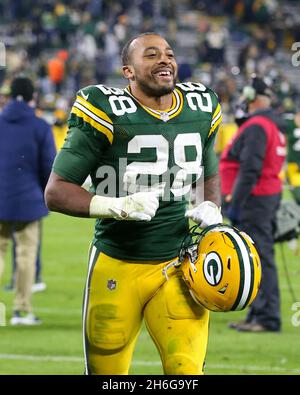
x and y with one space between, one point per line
152 68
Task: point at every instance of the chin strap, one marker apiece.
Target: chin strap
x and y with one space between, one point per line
175 264
192 256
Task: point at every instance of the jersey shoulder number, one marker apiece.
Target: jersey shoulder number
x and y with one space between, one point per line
91 110
204 100
114 101
99 105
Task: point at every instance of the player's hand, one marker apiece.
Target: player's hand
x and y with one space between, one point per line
140 206
206 213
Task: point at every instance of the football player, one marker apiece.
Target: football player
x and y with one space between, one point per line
293 153
144 147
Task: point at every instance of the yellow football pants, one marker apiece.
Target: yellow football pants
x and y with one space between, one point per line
119 295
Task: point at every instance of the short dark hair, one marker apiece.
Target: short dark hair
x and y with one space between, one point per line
125 54
22 86
261 87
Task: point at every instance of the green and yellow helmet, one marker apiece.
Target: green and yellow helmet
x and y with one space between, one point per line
221 267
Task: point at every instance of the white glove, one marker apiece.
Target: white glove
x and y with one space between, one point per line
140 206
206 213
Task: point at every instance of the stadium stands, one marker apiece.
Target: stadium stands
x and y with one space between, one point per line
220 43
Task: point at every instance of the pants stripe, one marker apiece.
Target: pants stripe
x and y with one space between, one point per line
93 256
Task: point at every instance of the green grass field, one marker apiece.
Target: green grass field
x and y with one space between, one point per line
56 346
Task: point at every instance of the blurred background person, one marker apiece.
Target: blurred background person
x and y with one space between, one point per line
250 169
27 151
38 285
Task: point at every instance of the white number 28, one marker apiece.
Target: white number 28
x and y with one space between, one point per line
160 166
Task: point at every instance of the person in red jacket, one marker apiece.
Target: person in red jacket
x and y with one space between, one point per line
250 169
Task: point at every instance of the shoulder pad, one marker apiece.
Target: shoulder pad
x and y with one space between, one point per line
95 92
197 87
92 106
203 98
191 86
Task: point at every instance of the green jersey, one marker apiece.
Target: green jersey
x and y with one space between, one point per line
293 139
127 147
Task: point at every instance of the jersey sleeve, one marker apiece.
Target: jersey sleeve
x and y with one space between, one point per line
215 120
90 133
210 159
89 109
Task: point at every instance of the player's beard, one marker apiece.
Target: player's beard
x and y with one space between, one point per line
154 89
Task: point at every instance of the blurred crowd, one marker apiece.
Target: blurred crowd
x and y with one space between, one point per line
64 45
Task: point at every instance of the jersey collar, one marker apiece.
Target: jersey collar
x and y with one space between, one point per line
165 116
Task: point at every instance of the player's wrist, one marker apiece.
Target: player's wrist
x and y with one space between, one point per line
100 206
206 213
140 206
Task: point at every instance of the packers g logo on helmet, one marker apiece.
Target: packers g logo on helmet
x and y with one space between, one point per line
221 267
